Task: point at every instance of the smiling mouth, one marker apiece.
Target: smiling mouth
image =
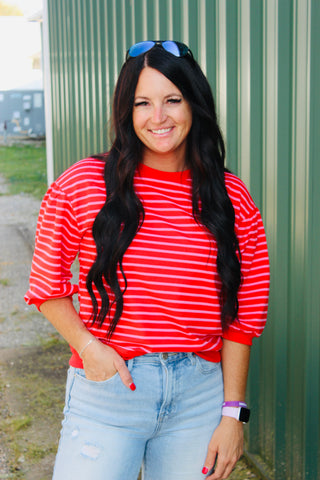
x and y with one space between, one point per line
161 130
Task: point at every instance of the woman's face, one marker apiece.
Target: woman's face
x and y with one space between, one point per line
162 120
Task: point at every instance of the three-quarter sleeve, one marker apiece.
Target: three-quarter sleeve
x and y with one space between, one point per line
56 247
254 290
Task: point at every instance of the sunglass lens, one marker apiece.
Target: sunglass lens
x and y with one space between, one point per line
171 47
139 48
183 49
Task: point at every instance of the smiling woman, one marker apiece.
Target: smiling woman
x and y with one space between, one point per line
162 120
173 284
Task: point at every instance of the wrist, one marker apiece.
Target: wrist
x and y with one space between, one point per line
237 410
85 345
234 404
232 421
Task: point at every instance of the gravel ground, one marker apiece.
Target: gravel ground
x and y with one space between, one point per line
20 325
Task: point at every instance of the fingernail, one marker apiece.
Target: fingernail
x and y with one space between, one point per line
205 470
132 387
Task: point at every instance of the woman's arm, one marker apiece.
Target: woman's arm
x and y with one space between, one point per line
226 445
100 362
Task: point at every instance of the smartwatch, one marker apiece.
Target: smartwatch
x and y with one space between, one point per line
237 410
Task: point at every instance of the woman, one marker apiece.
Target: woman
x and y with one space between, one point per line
173 284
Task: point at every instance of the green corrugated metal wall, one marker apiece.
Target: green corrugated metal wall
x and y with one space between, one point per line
262 60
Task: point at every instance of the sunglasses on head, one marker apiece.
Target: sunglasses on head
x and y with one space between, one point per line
177 49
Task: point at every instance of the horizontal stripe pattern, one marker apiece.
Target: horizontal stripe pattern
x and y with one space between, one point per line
172 298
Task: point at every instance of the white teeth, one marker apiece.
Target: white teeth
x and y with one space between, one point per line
162 130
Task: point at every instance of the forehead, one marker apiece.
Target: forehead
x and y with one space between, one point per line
152 82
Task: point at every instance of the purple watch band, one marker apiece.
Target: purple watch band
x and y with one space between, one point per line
235 404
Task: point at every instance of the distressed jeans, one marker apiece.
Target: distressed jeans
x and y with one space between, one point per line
163 427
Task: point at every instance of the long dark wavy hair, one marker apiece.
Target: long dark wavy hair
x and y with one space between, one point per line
122 214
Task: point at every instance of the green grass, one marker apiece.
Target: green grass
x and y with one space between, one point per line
20 423
24 168
32 385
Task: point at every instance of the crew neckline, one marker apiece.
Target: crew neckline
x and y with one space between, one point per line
146 171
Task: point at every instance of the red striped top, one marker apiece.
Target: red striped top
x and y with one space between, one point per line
172 298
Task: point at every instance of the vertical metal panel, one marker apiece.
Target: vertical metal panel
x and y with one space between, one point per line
221 72
282 239
261 58
299 224
312 366
48 93
270 179
244 87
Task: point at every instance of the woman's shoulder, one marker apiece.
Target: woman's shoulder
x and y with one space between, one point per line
235 183
239 193
85 173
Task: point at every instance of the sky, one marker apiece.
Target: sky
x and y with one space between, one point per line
19 40
26 6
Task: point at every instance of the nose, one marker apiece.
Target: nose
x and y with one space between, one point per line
159 114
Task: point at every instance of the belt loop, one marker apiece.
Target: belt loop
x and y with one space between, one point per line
130 363
192 357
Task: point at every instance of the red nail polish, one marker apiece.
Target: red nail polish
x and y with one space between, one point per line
205 470
132 387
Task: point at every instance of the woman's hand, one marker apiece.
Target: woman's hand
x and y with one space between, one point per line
225 449
101 362
226 444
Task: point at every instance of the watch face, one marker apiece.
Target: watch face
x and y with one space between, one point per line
244 415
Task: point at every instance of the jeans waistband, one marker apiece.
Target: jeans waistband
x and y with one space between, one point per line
163 356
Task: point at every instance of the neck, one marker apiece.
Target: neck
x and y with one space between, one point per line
168 162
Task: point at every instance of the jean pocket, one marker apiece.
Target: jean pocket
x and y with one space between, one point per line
205 366
80 375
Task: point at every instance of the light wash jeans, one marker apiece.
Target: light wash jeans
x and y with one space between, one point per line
165 425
